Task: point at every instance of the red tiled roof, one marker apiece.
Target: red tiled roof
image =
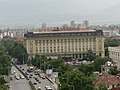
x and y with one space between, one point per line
19 39
107 80
64 29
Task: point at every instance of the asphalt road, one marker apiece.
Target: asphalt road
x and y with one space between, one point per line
21 84
44 82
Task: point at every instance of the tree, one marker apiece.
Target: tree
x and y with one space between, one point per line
111 42
100 61
113 70
39 60
2 49
8 43
5 64
63 68
4 61
20 53
2 81
86 68
90 55
77 80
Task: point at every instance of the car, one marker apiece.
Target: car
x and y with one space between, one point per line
30 76
21 76
26 73
37 80
34 76
43 77
48 88
36 73
14 72
10 78
39 88
17 77
35 83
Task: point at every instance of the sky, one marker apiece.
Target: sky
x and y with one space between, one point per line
37 11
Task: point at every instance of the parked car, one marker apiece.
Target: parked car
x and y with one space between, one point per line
21 76
48 88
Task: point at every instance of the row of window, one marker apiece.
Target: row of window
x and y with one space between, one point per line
63 50
65 40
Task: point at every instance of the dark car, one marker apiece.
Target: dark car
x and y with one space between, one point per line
10 78
26 73
30 76
35 83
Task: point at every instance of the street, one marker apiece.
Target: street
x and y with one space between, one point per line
44 82
21 84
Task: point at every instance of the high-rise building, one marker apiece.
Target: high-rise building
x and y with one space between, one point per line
43 25
72 24
86 23
65 26
65 43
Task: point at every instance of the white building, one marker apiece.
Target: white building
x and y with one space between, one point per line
109 33
114 53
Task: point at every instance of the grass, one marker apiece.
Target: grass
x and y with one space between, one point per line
3 87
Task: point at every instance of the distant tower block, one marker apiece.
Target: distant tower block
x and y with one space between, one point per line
78 25
72 24
86 23
43 25
65 26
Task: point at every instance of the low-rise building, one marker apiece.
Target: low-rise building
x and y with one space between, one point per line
109 81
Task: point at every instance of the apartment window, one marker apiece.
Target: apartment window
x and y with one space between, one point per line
68 40
36 41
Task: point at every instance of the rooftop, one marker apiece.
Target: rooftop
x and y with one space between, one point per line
64 29
107 80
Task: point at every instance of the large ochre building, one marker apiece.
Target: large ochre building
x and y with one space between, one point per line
65 43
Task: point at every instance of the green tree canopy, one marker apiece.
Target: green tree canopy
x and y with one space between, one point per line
113 70
20 52
86 68
77 80
2 49
111 42
100 61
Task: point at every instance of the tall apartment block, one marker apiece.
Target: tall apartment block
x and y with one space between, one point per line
67 43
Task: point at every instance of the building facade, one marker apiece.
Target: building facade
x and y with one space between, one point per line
69 44
114 53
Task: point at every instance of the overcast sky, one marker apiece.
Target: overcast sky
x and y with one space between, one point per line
19 11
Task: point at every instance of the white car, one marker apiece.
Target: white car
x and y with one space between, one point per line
21 76
39 88
17 77
48 88
14 72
